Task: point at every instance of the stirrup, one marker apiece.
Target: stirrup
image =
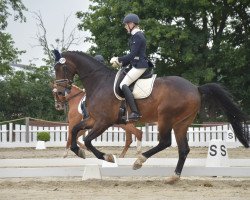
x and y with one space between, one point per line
132 117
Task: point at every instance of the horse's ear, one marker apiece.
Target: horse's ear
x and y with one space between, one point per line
57 55
52 85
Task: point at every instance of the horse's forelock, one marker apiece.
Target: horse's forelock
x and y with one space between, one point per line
57 55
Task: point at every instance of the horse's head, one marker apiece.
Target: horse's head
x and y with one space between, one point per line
64 71
59 98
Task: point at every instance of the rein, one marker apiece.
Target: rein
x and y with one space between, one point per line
70 98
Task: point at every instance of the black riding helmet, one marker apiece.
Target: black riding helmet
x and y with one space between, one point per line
131 18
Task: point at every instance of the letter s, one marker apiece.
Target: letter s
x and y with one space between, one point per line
213 150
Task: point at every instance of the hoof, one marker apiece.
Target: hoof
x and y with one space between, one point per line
137 166
121 156
65 153
75 150
109 158
81 153
138 163
172 180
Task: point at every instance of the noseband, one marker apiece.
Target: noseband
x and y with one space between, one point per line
66 84
66 81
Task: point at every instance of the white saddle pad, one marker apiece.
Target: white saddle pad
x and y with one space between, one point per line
142 87
80 104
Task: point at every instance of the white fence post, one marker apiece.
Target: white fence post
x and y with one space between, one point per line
27 130
4 133
10 132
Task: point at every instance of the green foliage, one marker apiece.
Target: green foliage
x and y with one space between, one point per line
28 94
43 136
203 40
15 5
8 52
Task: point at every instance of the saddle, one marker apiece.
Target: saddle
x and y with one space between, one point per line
141 88
82 107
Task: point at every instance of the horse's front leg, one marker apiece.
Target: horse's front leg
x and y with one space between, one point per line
85 124
81 133
74 118
97 130
68 143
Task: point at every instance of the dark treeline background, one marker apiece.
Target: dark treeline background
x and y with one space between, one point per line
200 40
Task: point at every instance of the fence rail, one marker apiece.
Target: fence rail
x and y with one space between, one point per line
16 135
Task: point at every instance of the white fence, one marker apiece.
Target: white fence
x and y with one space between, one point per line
14 135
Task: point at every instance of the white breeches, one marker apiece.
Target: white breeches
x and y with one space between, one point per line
132 76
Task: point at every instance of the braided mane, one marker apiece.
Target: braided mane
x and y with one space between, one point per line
80 53
78 88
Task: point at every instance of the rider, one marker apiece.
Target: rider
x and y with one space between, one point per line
136 58
100 58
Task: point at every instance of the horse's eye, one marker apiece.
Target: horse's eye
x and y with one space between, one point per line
59 93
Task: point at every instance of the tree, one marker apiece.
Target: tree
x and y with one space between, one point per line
8 52
203 40
28 94
62 44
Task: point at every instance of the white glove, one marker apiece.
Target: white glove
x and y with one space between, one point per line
115 63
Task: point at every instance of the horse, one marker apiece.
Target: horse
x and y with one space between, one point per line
174 104
74 117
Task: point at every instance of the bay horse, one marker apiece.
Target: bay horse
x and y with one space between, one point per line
73 99
173 104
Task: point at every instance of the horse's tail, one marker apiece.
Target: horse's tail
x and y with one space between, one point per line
222 98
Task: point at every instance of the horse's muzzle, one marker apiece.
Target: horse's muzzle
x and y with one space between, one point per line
59 106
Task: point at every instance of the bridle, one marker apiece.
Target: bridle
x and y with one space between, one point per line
67 99
67 72
66 82
62 104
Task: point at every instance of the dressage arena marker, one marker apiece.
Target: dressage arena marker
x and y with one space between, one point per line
91 172
69 167
217 155
40 145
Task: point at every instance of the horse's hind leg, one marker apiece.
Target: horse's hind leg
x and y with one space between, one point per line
81 133
129 130
138 134
183 150
164 142
127 143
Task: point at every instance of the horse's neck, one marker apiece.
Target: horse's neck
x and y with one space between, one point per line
75 96
99 80
93 74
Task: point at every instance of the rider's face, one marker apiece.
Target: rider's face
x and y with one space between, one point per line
129 26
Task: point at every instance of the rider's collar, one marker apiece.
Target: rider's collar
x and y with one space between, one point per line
135 30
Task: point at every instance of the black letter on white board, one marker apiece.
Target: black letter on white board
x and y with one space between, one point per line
213 150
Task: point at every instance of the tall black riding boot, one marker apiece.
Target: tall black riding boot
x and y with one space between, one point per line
134 116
